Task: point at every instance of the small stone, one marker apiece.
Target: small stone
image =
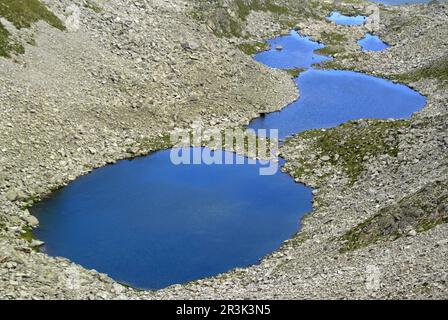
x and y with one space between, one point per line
36 243
412 233
12 195
32 221
118 288
325 158
190 45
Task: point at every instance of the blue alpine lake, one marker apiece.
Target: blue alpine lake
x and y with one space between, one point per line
290 52
372 43
341 19
150 223
331 97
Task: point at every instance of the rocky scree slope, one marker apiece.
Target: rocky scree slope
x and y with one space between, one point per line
78 99
110 87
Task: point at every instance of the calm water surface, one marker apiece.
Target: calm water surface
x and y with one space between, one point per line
372 43
341 19
296 52
150 224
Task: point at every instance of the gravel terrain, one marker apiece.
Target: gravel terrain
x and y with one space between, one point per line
115 84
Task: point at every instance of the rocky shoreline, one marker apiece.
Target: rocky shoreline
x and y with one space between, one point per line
80 99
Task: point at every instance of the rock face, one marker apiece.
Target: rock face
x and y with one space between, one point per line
133 71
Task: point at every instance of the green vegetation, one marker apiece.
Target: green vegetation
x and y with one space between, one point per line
7 45
90 4
336 64
331 37
229 21
244 7
399 23
252 144
22 14
420 211
299 238
147 145
333 43
434 70
330 50
251 48
27 234
294 73
351 144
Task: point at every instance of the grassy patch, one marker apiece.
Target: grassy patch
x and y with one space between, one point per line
90 4
22 14
294 73
242 141
252 48
230 20
299 239
420 211
27 234
350 145
8 45
330 50
244 7
147 145
333 43
337 64
331 37
434 70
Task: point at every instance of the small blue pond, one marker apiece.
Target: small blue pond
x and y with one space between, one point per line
341 19
296 52
150 224
372 43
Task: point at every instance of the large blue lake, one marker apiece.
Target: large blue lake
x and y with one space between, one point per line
149 223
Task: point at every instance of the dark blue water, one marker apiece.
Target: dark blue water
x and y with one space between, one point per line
372 43
150 224
341 19
297 52
329 98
